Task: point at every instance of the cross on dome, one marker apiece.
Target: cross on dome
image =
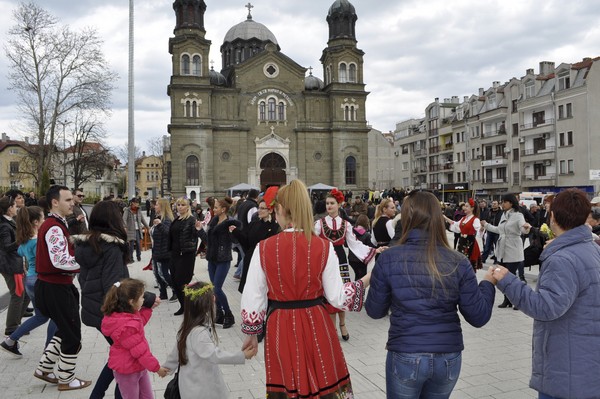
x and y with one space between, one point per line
249 6
310 70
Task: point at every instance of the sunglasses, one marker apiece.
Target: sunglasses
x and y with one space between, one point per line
81 195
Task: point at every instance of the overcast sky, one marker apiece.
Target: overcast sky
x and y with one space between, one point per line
415 50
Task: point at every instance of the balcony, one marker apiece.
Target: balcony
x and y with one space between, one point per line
434 168
537 128
433 132
532 155
449 165
420 153
494 133
434 149
447 147
546 177
495 161
492 183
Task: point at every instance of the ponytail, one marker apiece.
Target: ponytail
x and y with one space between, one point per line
118 296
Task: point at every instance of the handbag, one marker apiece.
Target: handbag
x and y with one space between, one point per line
172 390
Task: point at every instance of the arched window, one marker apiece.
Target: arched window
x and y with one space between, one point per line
192 171
262 111
352 113
352 73
188 109
343 76
350 170
281 111
194 109
197 65
185 64
346 113
328 75
272 109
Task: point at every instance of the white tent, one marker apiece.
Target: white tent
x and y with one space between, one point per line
239 189
319 187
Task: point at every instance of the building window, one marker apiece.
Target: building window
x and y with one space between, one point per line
350 170
281 110
539 118
192 171
343 73
530 89
346 113
352 113
272 107
405 149
13 151
564 80
458 137
404 165
570 166
185 64
514 106
515 129
561 139
262 108
561 111
515 154
562 167
14 167
569 138
352 73
501 174
569 110
328 74
197 65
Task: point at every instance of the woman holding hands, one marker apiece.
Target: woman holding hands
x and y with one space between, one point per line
509 247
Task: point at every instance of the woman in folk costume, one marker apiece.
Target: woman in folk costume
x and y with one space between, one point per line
469 226
339 232
295 270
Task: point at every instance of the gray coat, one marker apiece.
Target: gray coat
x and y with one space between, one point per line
201 377
509 247
565 307
131 219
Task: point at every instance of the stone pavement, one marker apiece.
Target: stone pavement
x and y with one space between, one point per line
496 359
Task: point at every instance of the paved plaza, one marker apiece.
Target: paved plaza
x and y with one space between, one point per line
496 359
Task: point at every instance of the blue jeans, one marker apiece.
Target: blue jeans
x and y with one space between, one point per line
490 241
544 396
217 272
240 264
37 319
136 243
421 375
162 275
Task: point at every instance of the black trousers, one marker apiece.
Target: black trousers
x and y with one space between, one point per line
60 302
182 271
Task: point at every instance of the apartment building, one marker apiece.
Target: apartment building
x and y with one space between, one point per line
535 133
12 158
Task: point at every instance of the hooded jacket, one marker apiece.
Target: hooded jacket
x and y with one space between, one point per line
98 272
130 351
565 306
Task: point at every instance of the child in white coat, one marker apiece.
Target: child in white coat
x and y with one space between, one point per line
196 352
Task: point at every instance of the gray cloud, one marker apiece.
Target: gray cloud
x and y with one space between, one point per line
414 50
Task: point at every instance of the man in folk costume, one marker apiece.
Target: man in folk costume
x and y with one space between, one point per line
469 226
339 232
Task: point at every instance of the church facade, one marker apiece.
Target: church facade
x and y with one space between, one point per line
262 120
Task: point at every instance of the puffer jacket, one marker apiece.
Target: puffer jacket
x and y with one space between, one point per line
160 241
400 281
218 239
98 273
565 307
185 229
10 261
130 351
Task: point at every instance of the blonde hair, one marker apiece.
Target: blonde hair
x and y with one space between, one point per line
379 210
165 208
295 203
189 208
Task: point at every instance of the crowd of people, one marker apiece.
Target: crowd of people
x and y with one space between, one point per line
301 264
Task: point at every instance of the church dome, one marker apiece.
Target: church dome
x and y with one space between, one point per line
342 7
216 78
313 83
250 29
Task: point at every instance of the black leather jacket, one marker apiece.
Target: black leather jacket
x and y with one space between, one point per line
10 261
218 239
183 236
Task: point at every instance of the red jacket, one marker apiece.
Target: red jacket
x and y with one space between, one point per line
130 351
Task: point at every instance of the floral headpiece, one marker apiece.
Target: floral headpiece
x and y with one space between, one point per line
269 196
338 195
472 202
194 293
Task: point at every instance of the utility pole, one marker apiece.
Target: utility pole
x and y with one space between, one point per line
130 114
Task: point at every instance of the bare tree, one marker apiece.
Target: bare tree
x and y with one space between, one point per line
122 152
156 148
87 157
55 72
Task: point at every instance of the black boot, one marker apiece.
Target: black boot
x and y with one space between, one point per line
228 320
505 304
219 316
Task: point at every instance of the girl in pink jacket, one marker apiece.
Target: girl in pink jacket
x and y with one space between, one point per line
129 357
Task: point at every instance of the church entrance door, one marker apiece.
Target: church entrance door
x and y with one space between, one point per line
273 171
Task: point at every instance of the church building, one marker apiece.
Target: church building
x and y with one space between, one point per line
263 120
